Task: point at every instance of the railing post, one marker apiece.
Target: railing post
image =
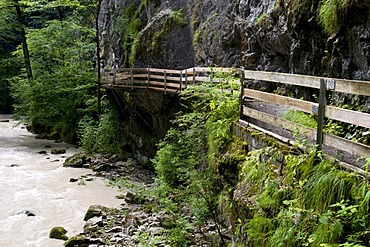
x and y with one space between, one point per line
321 115
180 81
242 78
114 74
148 73
193 76
186 78
131 78
211 77
165 81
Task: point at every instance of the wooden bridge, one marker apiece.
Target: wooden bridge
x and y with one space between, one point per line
253 103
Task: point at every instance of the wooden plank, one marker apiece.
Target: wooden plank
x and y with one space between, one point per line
140 76
141 87
168 71
352 87
351 147
278 122
328 139
297 104
298 80
168 85
348 116
214 69
161 77
341 85
344 115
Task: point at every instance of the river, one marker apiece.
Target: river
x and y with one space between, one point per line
40 184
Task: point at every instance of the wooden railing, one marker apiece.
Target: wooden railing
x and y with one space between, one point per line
174 81
165 80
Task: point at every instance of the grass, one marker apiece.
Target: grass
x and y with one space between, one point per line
300 118
329 14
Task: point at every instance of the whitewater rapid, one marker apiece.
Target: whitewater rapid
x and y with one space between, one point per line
40 184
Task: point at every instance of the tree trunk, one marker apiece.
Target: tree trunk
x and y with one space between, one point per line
98 7
26 53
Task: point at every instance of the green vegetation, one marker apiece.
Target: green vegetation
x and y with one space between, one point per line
102 135
300 117
59 94
329 14
130 25
175 18
262 20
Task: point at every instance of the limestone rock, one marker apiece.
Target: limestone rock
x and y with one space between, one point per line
95 211
77 160
58 232
58 151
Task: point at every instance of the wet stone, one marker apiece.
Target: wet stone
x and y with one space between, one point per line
58 151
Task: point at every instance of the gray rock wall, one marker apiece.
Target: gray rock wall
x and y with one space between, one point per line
274 35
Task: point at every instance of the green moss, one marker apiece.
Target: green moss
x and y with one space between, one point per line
262 20
58 232
329 14
300 118
176 17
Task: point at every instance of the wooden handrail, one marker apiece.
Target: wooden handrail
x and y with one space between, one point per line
173 81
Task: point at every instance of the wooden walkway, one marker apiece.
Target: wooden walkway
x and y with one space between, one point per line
174 81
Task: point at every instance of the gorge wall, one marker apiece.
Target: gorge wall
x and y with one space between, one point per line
272 35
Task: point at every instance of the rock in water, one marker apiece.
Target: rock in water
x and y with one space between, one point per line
28 213
58 232
95 211
77 160
58 151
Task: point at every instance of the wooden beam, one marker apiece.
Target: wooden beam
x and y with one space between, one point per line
297 104
344 115
340 85
328 139
310 133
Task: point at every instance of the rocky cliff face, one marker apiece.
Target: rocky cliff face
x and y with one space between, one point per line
273 35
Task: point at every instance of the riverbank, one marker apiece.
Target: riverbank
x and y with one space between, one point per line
139 221
36 192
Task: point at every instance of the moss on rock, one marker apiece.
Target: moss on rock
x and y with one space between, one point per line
58 232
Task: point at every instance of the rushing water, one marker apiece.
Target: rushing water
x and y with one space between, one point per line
39 183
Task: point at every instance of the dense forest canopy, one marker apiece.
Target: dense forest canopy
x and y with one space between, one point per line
47 60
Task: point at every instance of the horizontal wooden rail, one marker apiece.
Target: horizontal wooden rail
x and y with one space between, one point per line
343 115
173 81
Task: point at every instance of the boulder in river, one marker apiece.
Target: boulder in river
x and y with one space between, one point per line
58 151
58 232
77 160
28 213
95 211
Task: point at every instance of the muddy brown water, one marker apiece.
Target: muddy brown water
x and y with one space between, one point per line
40 184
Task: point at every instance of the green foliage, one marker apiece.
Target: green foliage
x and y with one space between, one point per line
175 18
262 20
64 78
178 17
312 202
300 117
104 135
188 158
329 14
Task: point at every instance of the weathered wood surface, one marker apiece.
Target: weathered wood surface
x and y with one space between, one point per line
336 113
351 147
174 81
